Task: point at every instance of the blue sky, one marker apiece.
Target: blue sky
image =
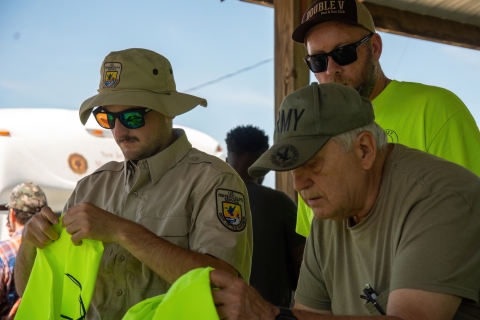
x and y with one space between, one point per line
51 52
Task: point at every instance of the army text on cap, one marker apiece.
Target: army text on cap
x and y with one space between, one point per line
283 122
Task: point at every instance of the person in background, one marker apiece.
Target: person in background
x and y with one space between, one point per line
277 249
163 211
26 200
396 230
343 47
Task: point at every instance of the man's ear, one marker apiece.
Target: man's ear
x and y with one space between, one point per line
365 148
377 46
12 217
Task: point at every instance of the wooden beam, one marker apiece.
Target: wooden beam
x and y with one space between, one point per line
267 3
411 24
291 72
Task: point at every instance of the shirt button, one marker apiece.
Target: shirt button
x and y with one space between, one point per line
119 292
121 258
135 194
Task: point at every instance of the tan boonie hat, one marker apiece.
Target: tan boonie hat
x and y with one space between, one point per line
139 77
351 11
26 197
306 120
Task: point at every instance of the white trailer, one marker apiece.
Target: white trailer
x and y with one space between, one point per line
51 148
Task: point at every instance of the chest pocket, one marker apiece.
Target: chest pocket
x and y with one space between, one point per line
173 229
382 300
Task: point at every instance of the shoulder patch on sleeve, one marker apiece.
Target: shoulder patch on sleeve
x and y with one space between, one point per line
231 209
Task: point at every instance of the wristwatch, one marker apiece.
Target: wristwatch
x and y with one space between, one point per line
285 314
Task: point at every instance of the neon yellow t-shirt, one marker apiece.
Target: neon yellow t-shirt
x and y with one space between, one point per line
63 279
427 118
190 297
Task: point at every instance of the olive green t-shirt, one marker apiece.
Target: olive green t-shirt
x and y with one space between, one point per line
187 197
422 233
426 118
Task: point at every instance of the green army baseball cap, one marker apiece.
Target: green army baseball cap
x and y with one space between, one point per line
307 119
139 77
26 197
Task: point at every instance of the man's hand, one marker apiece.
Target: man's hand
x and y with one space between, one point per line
38 231
236 300
87 221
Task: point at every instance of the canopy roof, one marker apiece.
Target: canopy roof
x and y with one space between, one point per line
455 22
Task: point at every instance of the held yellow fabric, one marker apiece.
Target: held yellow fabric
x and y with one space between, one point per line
423 117
62 280
190 297
304 218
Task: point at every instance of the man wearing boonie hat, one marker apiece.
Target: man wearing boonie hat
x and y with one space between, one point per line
400 220
26 200
343 47
167 209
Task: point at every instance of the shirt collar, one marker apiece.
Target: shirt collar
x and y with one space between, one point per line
161 162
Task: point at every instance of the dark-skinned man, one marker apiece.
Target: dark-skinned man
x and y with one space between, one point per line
277 250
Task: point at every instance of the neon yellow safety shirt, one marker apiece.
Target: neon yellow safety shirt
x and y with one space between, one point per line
62 280
190 297
423 117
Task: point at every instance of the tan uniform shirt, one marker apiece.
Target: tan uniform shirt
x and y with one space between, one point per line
187 197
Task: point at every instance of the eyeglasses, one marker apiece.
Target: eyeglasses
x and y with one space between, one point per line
131 119
80 300
343 56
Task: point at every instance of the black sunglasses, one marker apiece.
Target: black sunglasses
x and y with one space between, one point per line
131 119
343 56
80 300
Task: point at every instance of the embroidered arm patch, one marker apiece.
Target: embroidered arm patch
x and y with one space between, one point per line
231 209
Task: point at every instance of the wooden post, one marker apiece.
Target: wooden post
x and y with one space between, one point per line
291 72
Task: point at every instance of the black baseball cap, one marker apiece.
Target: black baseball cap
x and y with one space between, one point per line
351 11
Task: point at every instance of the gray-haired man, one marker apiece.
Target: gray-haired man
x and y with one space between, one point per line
405 222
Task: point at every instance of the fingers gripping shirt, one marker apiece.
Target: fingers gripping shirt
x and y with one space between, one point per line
180 194
62 280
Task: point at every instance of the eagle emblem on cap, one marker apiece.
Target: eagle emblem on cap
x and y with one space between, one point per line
285 156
